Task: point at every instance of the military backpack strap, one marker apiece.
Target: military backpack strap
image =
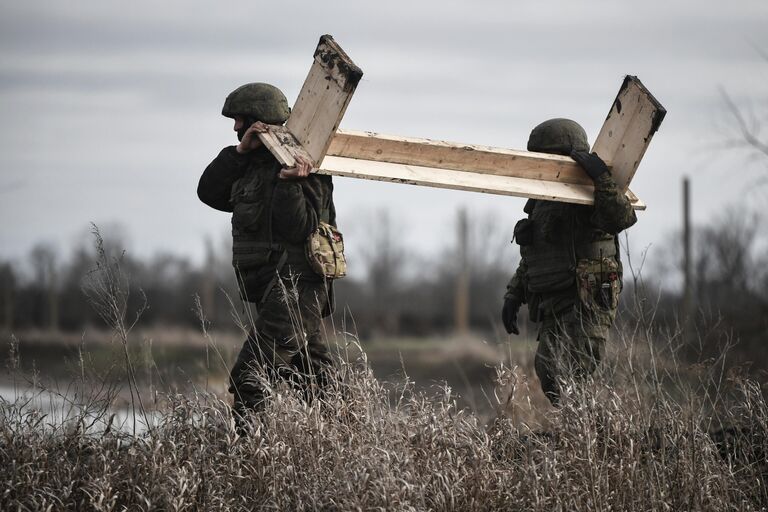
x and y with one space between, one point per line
273 282
283 250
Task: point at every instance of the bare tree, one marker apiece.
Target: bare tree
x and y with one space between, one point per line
385 258
43 258
7 294
747 124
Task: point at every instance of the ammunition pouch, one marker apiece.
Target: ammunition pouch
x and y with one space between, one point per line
552 267
523 233
598 284
325 252
248 204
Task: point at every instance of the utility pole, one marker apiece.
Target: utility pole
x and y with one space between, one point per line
687 306
461 303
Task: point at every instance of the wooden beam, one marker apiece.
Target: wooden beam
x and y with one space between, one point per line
458 157
414 157
463 180
321 104
634 118
311 131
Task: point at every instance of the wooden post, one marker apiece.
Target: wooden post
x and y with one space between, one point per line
687 306
461 303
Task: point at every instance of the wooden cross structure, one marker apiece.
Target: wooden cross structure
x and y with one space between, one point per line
312 131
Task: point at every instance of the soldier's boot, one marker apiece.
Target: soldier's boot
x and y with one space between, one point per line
249 399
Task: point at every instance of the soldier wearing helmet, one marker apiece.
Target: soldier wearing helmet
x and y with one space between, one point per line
274 210
570 271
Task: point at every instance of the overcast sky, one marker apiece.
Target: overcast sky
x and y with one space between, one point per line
109 111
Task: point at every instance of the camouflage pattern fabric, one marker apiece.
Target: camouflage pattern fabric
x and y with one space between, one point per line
266 211
285 345
325 252
570 269
257 102
271 222
571 345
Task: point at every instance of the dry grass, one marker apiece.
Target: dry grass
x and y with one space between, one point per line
608 448
648 433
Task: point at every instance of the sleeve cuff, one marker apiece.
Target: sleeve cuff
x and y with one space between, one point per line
605 182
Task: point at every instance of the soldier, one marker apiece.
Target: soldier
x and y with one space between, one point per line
274 210
570 271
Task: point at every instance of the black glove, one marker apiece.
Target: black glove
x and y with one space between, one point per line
509 315
591 163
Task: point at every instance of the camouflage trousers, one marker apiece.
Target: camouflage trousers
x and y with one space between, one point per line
571 346
285 344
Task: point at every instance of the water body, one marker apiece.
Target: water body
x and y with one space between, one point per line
64 409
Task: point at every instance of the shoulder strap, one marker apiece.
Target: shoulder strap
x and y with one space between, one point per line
273 282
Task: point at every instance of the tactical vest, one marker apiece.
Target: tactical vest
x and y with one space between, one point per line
257 256
553 239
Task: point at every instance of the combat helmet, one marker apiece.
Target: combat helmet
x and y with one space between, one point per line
558 136
258 102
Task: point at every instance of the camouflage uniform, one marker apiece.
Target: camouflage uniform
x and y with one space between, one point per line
271 220
570 270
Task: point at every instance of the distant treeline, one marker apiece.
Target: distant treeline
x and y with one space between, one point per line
395 291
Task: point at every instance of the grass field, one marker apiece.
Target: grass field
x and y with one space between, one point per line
141 425
175 360
648 434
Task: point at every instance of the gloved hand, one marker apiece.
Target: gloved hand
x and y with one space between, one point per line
591 163
509 315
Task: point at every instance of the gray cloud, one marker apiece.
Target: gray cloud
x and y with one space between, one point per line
111 113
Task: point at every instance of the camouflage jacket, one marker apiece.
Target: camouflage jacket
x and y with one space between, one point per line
556 237
271 217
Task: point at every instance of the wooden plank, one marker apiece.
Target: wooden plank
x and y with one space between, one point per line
311 131
634 118
283 145
321 104
462 180
456 156
323 99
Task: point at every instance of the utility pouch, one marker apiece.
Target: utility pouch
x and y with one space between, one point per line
247 204
523 233
598 283
325 252
248 254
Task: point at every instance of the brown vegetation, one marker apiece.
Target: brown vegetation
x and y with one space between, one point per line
648 433
661 427
623 442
